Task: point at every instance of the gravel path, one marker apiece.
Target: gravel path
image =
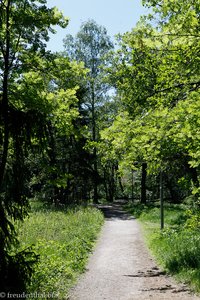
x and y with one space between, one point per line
121 268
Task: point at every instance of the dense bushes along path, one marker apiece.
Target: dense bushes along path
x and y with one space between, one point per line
121 268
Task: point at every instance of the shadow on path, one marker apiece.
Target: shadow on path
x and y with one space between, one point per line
115 210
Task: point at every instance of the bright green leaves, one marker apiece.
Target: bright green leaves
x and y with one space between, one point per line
58 18
28 104
177 15
115 138
29 24
64 85
186 129
65 111
156 73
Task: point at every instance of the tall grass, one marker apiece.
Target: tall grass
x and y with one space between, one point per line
177 247
63 239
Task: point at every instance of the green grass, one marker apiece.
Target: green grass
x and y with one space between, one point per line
177 247
63 239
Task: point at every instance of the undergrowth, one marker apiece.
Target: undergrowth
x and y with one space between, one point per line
177 246
63 239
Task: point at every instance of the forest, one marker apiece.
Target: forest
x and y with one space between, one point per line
99 121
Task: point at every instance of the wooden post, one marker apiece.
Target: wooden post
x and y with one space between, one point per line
161 202
143 183
132 198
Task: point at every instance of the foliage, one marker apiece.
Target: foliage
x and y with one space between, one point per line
91 46
27 105
63 239
67 136
52 170
156 74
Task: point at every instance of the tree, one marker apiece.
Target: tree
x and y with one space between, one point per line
25 105
156 74
90 46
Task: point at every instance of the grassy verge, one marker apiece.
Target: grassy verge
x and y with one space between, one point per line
63 239
177 247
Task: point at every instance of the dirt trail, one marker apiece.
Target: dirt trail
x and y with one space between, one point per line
121 267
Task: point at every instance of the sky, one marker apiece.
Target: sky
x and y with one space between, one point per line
117 16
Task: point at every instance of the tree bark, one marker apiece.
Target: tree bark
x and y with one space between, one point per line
95 180
4 224
5 112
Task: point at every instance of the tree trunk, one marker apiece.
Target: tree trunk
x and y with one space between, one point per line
194 175
112 188
121 185
5 99
4 224
95 179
